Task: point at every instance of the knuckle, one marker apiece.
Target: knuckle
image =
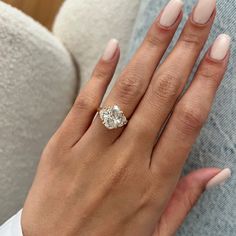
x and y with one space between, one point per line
209 74
85 102
120 172
166 87
191 40
100 73
55 151
149 195
190 118
129 86
142 133
154 39
120 176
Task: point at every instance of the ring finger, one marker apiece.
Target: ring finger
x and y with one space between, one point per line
135 79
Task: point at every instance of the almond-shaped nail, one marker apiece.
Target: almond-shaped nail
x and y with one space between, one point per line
110 49
220 47
219 179
203 11
171 13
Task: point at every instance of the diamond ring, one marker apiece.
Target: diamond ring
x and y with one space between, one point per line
112 117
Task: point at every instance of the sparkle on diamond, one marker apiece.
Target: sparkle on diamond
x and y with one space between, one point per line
113 117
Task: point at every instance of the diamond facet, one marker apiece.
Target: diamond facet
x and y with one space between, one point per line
112 117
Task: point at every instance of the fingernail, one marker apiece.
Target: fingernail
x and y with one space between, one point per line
220 47
110 49
171 13
203 11
219 179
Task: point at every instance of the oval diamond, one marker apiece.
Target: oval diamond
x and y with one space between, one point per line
112 117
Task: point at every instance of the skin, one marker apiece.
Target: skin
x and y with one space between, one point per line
95 181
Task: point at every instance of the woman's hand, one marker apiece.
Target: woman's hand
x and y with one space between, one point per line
126 181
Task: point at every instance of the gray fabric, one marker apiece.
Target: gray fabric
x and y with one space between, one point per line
215 213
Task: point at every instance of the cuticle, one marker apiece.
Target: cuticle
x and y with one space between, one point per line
209 58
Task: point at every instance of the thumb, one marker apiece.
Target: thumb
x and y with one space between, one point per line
186 194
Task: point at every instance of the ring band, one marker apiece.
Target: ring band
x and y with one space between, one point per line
112 117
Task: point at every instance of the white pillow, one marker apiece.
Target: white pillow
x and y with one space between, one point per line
38 83
86 26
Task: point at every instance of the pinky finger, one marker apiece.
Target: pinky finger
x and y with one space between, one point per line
188 191
85 107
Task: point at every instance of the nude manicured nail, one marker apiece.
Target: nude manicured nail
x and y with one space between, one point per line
220 47
110 49
203 11
171 13
219 179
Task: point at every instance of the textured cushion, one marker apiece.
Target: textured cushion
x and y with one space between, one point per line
37 86
86 26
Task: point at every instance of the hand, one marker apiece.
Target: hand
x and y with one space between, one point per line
126 181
